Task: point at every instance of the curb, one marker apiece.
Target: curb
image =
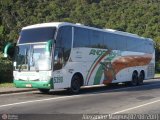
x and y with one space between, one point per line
156 78
28 90
17 91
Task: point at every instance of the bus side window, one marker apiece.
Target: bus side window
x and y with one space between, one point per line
63 46
58 59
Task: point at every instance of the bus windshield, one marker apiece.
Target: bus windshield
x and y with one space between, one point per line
36 35
32 57
31 53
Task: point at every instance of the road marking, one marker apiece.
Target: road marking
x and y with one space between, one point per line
136 107
48 99
19 93
80 95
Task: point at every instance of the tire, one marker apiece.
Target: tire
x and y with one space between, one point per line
141 78
134 81
75 85
44 90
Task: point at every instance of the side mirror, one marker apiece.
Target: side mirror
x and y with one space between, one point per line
9 50
49 46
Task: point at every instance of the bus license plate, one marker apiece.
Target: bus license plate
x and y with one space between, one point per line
28 85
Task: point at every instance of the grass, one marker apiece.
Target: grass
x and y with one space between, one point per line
157 75
6 85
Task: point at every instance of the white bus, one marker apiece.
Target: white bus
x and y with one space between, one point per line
64 55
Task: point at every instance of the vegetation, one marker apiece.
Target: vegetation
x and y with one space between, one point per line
140 17
6 85
5 70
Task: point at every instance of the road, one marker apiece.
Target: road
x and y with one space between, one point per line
120 99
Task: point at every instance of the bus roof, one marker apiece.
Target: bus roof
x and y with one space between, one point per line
58 24
52 24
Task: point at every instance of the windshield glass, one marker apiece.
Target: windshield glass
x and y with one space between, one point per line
37 35
32 51
32 57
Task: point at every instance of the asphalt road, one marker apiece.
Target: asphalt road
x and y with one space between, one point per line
57 105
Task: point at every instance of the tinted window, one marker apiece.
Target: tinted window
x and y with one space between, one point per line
109 41
81 37
96 39
64 37
141 46
136 44
63 46
88 38
132 44
149 47
37 35
121 42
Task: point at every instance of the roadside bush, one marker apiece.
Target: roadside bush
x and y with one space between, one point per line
6 74
157 67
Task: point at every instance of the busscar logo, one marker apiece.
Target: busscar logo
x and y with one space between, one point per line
4 116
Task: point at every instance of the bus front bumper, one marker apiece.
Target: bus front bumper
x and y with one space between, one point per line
34 84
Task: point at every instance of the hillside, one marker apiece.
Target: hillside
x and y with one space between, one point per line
140 17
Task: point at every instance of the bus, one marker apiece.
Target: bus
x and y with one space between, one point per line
61 55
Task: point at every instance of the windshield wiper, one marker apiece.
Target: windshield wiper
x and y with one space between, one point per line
21 65
23 60
32 61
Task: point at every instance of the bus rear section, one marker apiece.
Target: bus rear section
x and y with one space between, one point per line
110 56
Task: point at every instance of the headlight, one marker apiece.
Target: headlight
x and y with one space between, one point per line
15 76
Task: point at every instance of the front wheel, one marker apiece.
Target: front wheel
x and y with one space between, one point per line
44 90
75 84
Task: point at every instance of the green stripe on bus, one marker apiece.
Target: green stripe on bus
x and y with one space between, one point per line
98 75
91 68
100 57
34 84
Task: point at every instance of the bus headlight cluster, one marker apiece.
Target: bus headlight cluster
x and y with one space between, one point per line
45 78
15 75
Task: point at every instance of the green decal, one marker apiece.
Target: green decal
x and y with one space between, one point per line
91 67
48 46
95 63
92 52
98 76
34 84
106 67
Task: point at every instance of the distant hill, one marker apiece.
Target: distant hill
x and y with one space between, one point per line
140 17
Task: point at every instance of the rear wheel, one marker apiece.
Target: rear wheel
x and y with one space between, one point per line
141 78
75 84
134 81
44 90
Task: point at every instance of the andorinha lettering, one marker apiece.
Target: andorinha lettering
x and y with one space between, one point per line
97 52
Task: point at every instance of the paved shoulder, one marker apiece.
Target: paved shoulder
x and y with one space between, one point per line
7 90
